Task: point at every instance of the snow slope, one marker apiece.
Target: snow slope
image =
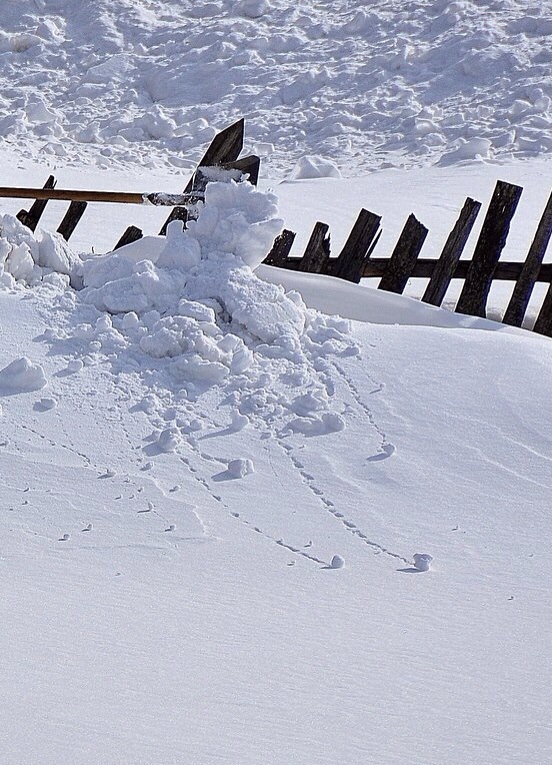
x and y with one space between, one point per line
367 84
164 603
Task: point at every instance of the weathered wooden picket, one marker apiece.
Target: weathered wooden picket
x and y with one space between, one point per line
355 262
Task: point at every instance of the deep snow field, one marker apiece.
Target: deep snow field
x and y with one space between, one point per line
249 515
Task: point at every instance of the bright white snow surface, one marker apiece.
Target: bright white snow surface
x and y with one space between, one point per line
234 528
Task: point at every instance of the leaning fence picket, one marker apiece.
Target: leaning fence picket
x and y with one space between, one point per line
317 253
403 258
31 217
350 261
445 267
473 298
521 295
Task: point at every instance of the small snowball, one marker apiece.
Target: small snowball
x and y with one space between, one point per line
240 468
422 561
337 562
169 440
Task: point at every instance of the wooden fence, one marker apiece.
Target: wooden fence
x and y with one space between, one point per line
355 260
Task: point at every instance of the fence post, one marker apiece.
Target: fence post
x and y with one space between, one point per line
348 265
132 234
530 271
71 219
317 253
31 217
280 249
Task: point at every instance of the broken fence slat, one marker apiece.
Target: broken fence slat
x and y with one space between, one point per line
223 149
317 253
71 219
473 298
521 295
249 166
132 234
280 249
348 265
226 146
31 217
403 259
446 265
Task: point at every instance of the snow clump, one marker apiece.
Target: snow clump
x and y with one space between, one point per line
422 561
30 258
22 376
239 468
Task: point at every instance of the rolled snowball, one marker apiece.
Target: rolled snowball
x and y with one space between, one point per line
422 561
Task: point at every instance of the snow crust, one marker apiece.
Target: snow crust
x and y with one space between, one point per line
362 84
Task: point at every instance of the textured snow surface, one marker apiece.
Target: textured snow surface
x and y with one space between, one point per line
362 84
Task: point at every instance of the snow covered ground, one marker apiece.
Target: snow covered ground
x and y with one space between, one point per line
215 499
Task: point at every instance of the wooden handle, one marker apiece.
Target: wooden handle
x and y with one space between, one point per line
120 197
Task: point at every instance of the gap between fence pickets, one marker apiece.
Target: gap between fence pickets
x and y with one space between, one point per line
404 263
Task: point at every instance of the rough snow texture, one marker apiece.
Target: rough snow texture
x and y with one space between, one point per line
197 311
364 84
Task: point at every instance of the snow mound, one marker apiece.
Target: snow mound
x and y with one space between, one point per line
190 309
21 376
314 167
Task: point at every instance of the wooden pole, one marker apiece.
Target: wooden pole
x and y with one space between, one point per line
446 265
157 198
403 258
317 253
349 262
31 217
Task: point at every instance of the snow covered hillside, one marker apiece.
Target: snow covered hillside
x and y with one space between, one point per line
235 526
366 84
